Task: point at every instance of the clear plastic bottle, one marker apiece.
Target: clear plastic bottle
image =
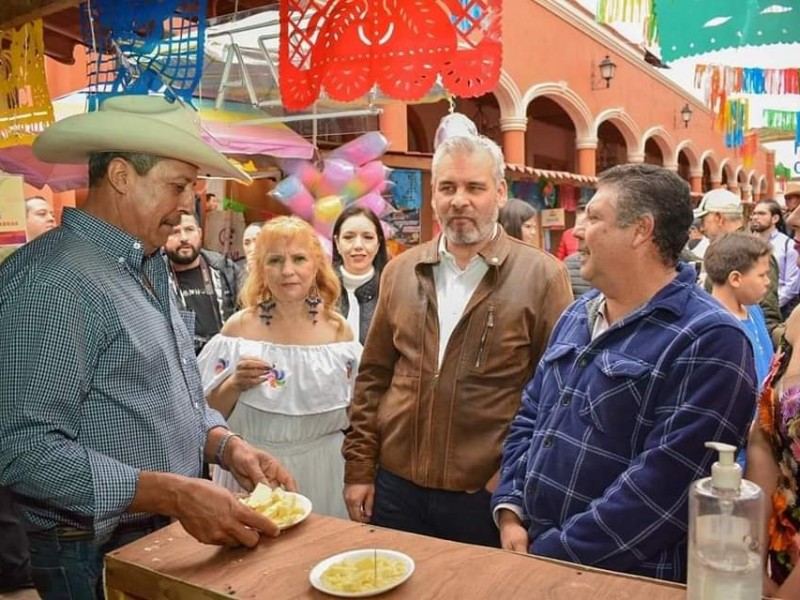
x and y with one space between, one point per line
726 527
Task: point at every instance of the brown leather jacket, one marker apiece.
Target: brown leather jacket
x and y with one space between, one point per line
445 428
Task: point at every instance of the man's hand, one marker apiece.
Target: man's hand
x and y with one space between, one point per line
359 497
251 466
212 515
513 536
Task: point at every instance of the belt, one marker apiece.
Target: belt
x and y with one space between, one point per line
77 534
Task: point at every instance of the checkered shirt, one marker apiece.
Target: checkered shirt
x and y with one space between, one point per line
99 378
611 431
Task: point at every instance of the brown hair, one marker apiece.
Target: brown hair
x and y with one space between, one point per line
513 215
730 252
255 289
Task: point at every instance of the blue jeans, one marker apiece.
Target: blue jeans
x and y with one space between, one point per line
68 568
457 516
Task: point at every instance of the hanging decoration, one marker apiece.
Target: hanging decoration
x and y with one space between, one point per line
143 46
736 122
351 174
629 11
25 107
782 172
693 27
744 80
781 120
346 47
749 149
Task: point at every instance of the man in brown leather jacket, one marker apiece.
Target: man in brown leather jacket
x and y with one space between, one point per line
460 325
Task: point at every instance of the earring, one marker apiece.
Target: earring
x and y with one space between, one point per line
266 311
312 302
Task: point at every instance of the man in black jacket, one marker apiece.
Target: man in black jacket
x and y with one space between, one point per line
204 283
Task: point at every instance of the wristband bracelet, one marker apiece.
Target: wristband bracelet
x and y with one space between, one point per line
219 455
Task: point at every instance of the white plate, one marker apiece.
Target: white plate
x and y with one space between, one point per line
304 503
301 501
315 577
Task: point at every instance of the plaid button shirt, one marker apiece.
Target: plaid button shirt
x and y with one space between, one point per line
611 431
99 378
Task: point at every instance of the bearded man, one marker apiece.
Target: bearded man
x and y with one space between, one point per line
461 323
205 283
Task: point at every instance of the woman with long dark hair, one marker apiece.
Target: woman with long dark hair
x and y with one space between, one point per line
518 218
359 255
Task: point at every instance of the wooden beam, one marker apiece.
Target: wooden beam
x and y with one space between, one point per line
14 13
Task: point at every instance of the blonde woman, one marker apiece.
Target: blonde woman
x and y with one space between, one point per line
281 370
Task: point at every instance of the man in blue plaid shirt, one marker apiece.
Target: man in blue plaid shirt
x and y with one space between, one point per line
103 424
639 373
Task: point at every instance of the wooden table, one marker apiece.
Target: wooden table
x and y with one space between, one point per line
171 564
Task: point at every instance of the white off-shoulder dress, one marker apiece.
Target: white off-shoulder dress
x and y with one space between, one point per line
298 415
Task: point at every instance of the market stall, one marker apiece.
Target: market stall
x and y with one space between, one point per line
171 564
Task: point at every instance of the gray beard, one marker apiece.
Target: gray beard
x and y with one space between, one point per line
467 238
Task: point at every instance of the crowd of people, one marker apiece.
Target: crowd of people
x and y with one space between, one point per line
474 388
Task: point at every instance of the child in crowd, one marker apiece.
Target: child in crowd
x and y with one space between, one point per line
737 265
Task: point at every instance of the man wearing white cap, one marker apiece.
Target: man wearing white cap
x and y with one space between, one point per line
720 211
103 424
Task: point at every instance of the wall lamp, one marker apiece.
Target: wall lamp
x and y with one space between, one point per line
607 69
686 115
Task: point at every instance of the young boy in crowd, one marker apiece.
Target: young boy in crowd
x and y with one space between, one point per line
737 264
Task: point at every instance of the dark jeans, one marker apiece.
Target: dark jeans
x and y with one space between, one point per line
67 566
457 516
14 558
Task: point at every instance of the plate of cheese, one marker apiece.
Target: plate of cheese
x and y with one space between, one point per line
285 509
361 573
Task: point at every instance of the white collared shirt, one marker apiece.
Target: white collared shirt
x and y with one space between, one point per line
454 288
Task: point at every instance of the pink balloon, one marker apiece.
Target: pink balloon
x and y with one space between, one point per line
388 232
375 203
293 194
327 245
367 178
363 149
335 176
309 176
303 206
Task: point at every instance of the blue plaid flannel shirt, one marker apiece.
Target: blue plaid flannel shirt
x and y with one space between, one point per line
98 378
611 431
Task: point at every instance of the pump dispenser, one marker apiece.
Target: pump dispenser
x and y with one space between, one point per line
726 528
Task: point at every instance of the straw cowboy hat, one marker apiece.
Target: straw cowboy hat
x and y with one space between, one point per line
792 189
144 124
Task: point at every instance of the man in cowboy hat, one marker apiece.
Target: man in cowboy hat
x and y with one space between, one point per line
791 197
103 424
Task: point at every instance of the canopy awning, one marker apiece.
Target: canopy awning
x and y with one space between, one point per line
557 176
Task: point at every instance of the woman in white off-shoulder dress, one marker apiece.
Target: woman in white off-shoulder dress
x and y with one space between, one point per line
282 369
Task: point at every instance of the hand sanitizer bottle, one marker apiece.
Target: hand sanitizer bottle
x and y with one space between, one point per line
726 527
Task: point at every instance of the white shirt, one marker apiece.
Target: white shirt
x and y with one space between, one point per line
454 288
351 283
788 271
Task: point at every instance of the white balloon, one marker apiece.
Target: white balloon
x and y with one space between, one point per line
454 125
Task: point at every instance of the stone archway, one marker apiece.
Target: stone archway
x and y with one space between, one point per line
626 127
710 170
726 177
568 100
551 136
656 146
